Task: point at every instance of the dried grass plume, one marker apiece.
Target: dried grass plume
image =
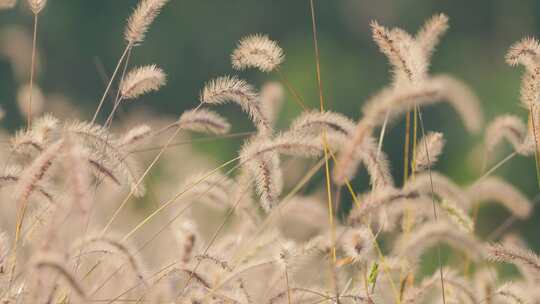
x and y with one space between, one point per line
257 51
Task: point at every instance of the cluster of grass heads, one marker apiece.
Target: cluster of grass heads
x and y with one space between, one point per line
247 230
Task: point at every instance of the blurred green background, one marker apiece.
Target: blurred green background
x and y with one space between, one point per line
192 40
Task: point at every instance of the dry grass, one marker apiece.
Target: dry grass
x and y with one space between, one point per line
244 231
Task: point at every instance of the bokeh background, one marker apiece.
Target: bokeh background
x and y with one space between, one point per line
80 40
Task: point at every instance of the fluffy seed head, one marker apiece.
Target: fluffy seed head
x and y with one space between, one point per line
515 255
391 101
44 126
431 233
443 187
377 164
101 142
515 241
513 294
287 255
530 87
368 154
494 189
77 175
347 162
458 216
257 51
226 88
141 18
357 244
525 52
37 137
402 51
142 80
36 172
135 135
268 176
313 122
186 237
429 150
260 157
37 5
294 145
429 35
377 200
204 121
509 127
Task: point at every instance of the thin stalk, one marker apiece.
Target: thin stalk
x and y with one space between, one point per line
118 99
406 147
347 183
243 250
317 55
132 191
537 148
508 223
170 265
157 211
415 139
146 172
329 199
287 284
476 209
109 85
376 245
407 163
214 237
299 100
195 140
497 166
327 165
409 216
108 122
119 269
18 230
239 272
32 69
383 133
153 237
435 215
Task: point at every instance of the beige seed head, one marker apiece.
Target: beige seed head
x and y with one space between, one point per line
430 33
204 121
257 51
226 88
525 52
142 80
36 5
141 18
357 244
429 150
